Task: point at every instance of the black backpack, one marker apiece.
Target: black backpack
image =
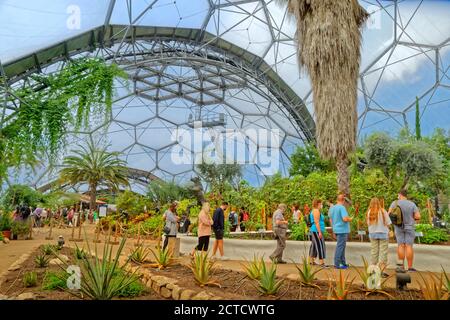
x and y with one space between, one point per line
308 220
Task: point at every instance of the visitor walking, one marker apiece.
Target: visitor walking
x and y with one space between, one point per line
340 222
171 219
378 221
243 218
234 221
280 225
317 249
218 227
405 232
70 216
296 213
204 228
37 217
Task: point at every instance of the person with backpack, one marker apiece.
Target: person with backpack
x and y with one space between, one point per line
404 214
243 218
317 249
378 221
340 222
233 219
219 228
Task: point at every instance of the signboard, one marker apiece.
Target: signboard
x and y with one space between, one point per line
102 211
362 233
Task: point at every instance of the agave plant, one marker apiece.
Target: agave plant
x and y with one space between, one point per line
41 261
30 279
253 268
447 280
341 287
366 277
307 273
139 255
102 278
202 267
268 284
79 253
163 258
433 287
48 249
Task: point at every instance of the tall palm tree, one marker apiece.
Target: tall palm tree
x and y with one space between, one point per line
329 40
94 166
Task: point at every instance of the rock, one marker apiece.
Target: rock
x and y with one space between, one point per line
176 290
166 293
156 288
293 277
186 294
171 284
149 283
15 266
26 296
5 240
55 262
203 295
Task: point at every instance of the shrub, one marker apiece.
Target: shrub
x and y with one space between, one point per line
202 267
431 234
30 279
5 222
267 284
55 280
299 231
133 289
20 228
41 261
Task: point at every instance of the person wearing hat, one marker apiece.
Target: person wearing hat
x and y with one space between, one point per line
171 223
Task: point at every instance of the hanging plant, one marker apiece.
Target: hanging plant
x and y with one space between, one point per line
67 99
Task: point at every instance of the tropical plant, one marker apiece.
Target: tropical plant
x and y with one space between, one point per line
447 280
306 160
139 254
41 261
55 280
30 279
333 66
163 257
18 194
132 203
94 165
102 278
432 287
202 267
365 275
306 273
80 253
339 288
162 192
133 289
268 284
19 228
378 151
253 268
5 222
218 175
48 249
431 234
299 231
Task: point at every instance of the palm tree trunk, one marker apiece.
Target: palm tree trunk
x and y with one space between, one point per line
93 194
343 176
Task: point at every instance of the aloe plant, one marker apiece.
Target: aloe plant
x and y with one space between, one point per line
139 255
163 258
48 249
268 284
30 279
341 287
447 280
365 276
253 268
433 287
80 253
41 261
306 273
202 267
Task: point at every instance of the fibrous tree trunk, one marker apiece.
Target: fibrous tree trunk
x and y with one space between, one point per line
329 40
93 196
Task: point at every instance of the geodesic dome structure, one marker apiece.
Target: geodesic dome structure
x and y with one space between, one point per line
226 64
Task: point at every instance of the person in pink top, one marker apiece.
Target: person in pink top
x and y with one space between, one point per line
204 228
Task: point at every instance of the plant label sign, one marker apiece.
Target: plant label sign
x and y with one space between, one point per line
361 233
102 211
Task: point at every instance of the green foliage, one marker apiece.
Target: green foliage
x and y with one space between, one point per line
418 130
52 105
48 249
41 261
378 151
132 203
133 289
163 257
20 228
30 279
20 194
202 267
5 222
162 192
431 234
306 160
267 283
139 254
307 273
339 287
219 175
299 231
253 268
80 253
55 280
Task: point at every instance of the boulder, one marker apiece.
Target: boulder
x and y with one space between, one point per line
171 284
166 293
186 294
26 296
203 295
176 290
